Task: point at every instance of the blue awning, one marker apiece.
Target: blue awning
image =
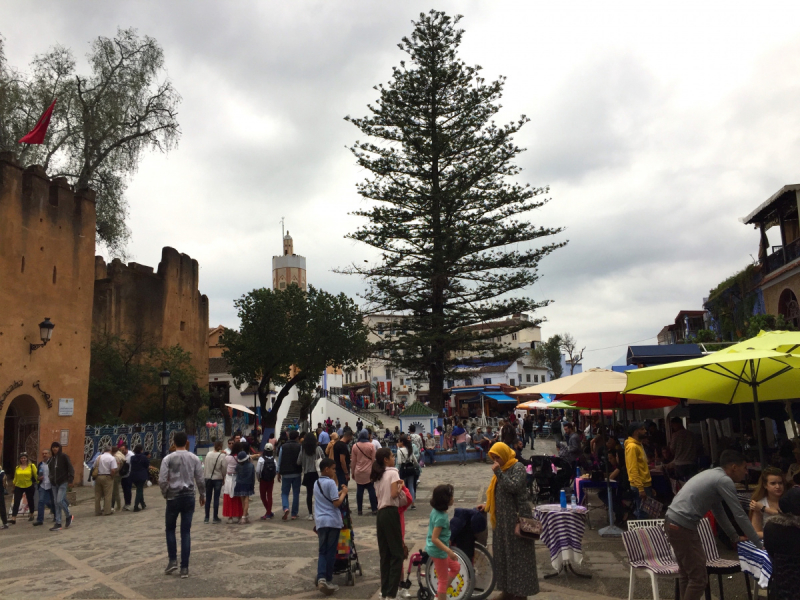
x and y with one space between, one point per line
502 398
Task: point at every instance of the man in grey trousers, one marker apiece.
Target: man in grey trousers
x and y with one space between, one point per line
703 492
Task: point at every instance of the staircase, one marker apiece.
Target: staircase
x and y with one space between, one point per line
292 415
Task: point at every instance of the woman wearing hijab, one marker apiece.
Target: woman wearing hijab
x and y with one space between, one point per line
780 541
361 459
245 483
24 477
514 558
331 444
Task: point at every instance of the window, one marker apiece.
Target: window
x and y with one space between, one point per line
512 381
468 381
183 325
528 377
513 337
451 383
282 285
535 378
488 381
380 328
388 373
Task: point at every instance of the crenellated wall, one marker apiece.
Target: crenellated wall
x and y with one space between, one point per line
165 307
47 269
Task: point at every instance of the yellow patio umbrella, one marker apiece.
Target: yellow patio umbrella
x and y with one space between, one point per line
735 375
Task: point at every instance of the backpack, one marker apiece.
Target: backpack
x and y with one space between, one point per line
125 469
407 468
268 470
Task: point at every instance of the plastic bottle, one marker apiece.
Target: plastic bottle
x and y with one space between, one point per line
563 499
574 503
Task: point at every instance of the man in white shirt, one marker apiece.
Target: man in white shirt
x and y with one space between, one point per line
107 467
373 438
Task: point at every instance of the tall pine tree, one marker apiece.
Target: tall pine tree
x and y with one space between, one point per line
445 215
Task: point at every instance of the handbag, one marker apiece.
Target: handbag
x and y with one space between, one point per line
652 507
528 528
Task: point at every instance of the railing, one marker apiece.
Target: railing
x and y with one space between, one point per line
777 259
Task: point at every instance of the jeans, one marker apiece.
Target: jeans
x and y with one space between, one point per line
138 502
61 504
265 489
45 499
409 481
183 506
638 512
290 482
528 436
462 451
213 488
429 454
127 486
328 540
390 548
373 498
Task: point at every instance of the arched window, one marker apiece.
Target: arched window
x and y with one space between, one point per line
789 308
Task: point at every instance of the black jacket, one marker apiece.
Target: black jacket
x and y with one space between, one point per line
290 451
140 468
61 470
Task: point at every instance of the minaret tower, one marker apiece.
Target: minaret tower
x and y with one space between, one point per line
290 268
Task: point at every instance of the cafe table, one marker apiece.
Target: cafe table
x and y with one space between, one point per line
755 562
562 533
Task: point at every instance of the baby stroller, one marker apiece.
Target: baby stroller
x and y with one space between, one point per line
346 554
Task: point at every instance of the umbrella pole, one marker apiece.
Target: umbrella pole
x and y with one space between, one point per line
612 530
754 385
791 417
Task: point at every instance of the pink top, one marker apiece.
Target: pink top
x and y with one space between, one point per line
383 488
460 439
361 458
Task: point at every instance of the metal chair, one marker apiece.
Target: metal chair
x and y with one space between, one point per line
716 565
647 548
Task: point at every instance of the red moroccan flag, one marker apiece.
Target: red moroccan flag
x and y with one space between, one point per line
36 135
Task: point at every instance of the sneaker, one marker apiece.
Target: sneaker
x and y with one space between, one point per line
69 521
127 507
36 523
4 526
294 517
185 573
137 509
217 521
403 594
56 527
172 566
310 517
205 520
286 515
230 520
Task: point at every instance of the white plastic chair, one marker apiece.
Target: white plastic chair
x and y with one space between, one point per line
647 548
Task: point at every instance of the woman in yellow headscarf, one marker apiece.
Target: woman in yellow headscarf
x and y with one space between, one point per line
506 499
331 444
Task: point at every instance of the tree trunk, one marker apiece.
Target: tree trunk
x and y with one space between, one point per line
263 390
271 418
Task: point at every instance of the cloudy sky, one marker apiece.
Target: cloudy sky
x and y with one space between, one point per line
656 130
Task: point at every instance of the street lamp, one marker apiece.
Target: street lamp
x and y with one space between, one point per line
45 333
164 384
254 384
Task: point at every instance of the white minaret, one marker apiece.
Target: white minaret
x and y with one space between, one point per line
290 268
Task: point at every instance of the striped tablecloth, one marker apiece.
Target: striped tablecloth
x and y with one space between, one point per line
755 562
562 533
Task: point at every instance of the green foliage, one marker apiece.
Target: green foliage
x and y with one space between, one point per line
290 337
124 383
757 323
102 122
548 355
731 303
453 234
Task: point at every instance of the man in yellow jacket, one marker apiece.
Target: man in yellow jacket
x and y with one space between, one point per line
638 469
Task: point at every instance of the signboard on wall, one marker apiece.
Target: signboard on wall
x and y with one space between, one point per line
64 437
66 407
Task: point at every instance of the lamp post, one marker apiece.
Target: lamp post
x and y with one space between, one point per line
45 333
164 384
254 383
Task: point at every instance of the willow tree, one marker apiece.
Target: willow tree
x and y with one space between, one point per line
455 248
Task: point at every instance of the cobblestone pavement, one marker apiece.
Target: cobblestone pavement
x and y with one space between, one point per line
123 555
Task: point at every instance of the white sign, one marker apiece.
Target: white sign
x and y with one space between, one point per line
66 407
64 437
